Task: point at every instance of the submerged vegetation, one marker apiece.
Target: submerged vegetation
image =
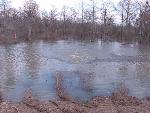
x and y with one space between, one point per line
129 20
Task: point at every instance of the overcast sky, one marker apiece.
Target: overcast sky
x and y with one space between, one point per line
46 4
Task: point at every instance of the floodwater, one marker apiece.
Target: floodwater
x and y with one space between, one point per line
89 69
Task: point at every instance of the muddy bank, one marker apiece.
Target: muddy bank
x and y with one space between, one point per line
119 102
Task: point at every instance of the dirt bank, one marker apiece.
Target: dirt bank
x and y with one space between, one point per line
119 102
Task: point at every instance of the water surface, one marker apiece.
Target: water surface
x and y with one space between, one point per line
89 69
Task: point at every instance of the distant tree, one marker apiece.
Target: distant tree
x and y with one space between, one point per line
82 18
45 22
4 6
82 13
128 11
107 18
93 19
73 18
143 20
31 11
64 18
53 20
93 15
90 17
120 10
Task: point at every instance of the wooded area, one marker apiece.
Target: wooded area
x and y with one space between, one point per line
129 20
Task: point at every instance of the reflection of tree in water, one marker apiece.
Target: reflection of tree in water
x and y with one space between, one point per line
123 69
139 74
86 81
9 66
31 60
143 72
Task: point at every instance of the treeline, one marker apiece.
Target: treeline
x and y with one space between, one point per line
129 20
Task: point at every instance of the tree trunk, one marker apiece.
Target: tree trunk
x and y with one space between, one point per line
93 19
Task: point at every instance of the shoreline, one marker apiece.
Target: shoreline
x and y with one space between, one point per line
74 38
119 102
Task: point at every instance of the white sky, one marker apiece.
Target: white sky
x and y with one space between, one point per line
46 4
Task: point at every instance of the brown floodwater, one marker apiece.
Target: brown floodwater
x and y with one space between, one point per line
89 68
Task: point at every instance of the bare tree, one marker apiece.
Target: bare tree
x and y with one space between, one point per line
31 12
73 19
107 17
93 16
4 5
82 8
93 19
64 19
144 20
121 12
53 23
128 11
